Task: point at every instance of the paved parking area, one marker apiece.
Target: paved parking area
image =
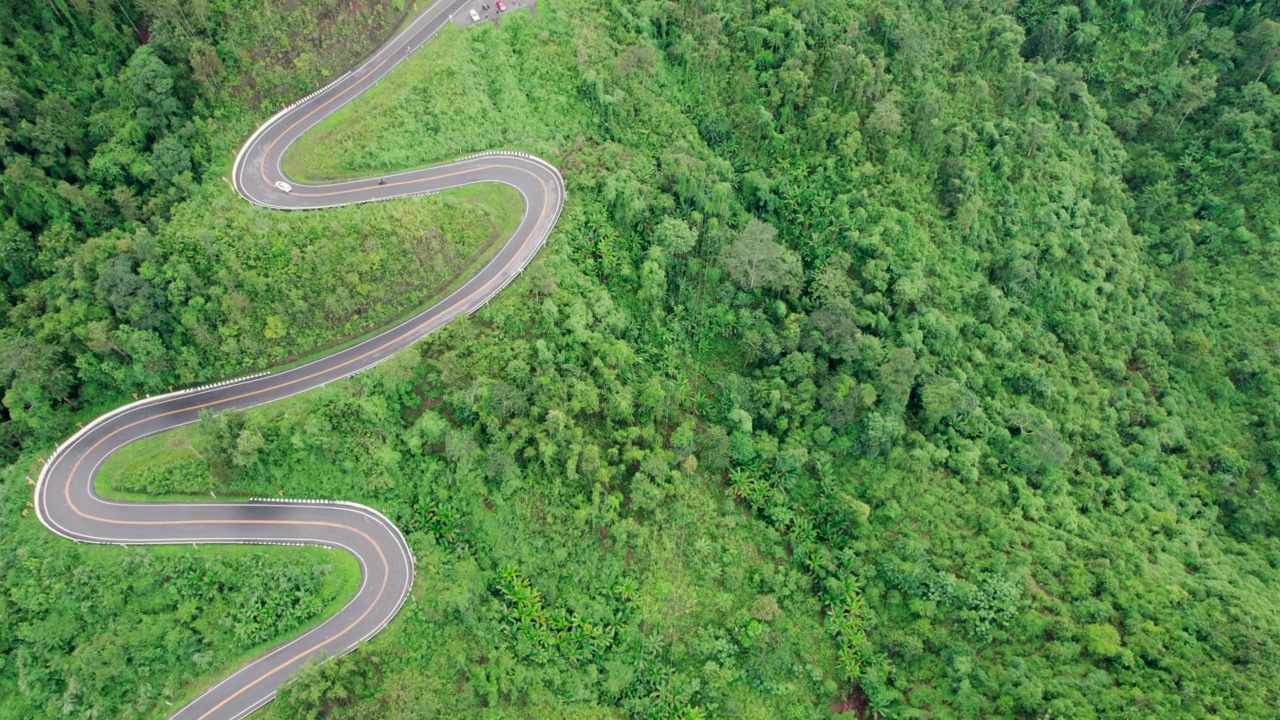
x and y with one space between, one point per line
487 10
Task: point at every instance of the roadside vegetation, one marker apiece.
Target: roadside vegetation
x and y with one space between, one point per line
893 359
432 108
127 265
100 630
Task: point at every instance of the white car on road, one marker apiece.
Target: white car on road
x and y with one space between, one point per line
475 16
284 186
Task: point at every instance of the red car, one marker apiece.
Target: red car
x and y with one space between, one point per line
502 7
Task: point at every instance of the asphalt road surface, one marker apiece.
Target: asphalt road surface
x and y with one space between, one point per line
65 499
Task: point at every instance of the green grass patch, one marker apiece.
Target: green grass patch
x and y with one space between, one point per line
461 93
174 466
127 473
496 201
299 285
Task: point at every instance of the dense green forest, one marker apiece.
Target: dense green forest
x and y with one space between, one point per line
128 265
897 359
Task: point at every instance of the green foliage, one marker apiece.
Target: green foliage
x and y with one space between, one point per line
754 260
947 328
89 630
530 582
321 689
126 265
980 398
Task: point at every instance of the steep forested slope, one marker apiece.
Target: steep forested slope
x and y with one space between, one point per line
126 264
896 358
1001 378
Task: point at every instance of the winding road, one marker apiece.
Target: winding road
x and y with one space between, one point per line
64 496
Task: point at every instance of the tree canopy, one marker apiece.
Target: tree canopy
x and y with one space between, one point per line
890 358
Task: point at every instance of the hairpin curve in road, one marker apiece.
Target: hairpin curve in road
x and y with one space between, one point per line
65 500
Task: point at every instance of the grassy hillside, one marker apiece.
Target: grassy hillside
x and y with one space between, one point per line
894 359
1000 380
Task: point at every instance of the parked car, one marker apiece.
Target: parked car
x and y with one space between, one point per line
502 7
475 16
284 186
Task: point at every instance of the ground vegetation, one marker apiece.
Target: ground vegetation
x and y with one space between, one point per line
901 359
